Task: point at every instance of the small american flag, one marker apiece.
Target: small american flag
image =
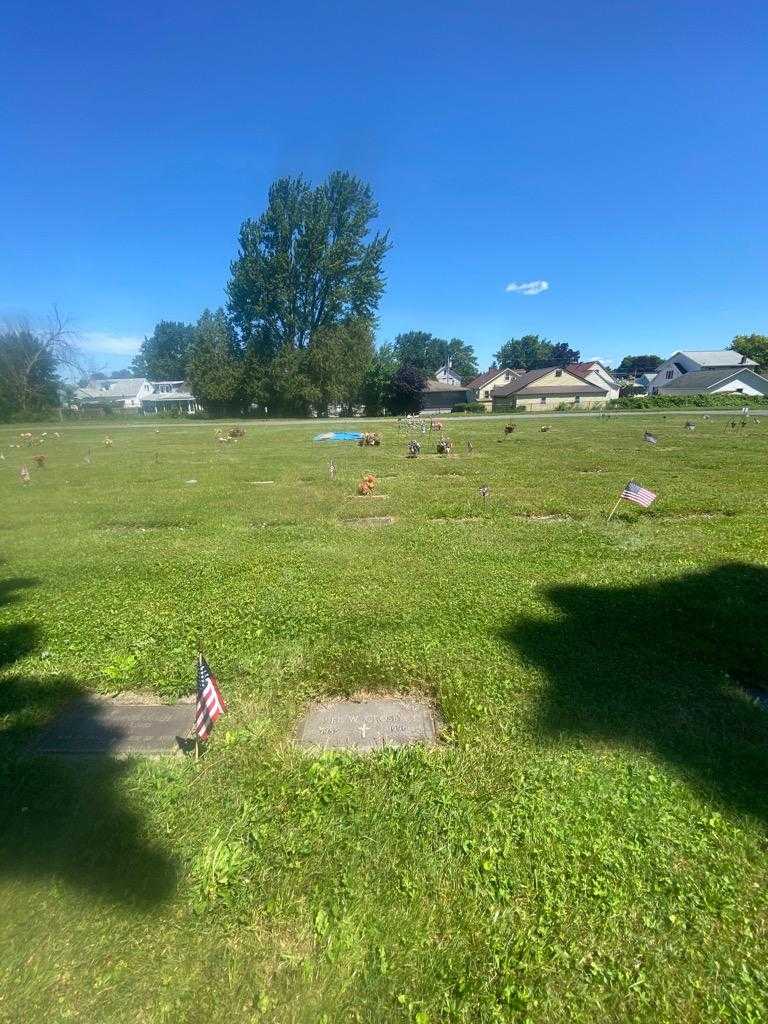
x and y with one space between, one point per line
640 495
210 703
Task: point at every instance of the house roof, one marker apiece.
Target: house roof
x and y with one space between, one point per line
490 375
121 387
717 358
700 381
527 385
582 369
439 385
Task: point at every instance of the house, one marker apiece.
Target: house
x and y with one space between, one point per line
646 382
680 363
170 396
482 387
136 394
740 381
441 396
597 374
548 389
122 393
447 375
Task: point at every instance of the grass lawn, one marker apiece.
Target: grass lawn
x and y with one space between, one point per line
587 845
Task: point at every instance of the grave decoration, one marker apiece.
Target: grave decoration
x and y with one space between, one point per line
369 440
414 449
367 485
444 446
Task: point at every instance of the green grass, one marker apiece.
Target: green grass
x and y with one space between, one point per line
589 843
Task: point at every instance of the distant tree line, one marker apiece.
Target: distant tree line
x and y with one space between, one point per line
297 332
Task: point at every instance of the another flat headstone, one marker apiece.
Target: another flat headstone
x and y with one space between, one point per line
91 726
367 725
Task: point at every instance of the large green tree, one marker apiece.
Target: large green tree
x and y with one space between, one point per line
428 353
532 353
376 392
311 261
163 355
632 366
755 346
216 367
336 363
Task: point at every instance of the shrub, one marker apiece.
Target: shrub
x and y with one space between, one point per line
731 401
468 407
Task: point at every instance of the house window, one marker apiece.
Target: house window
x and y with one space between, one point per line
740 391
486 394
670 374
542 400
558 373
577 399
506 376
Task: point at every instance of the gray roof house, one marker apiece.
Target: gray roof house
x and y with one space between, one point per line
124 392
741 380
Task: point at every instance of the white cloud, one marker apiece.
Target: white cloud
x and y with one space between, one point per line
527 287
105 343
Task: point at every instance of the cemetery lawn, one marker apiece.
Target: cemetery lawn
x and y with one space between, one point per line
588 843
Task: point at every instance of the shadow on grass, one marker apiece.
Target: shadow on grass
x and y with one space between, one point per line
63 820
659 667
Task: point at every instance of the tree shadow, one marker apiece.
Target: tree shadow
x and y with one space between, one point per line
662 667
65 819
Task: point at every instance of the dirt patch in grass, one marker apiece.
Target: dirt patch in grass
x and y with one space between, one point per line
457 519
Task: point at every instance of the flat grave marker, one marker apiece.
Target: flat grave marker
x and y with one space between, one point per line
91 726
368 724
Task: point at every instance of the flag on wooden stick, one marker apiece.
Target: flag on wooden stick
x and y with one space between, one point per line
210 703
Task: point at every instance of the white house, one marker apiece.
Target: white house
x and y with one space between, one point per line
680 363
447 375
741 381
170 396
123 392
137 394
595 373
482 386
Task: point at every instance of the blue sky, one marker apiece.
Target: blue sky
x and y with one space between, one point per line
616 150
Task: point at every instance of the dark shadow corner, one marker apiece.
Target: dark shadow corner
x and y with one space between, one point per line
663 667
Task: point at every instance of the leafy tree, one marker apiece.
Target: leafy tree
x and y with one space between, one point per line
406 387
29 363
336 363
428 353
376 389
532 353
307 263
755 346
163 355
633 366
216 369
562 354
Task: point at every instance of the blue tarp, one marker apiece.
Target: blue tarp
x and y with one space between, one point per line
339 435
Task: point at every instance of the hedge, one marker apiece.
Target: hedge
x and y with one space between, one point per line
730 401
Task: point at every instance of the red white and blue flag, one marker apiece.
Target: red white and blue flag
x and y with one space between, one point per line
210 703
640 495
